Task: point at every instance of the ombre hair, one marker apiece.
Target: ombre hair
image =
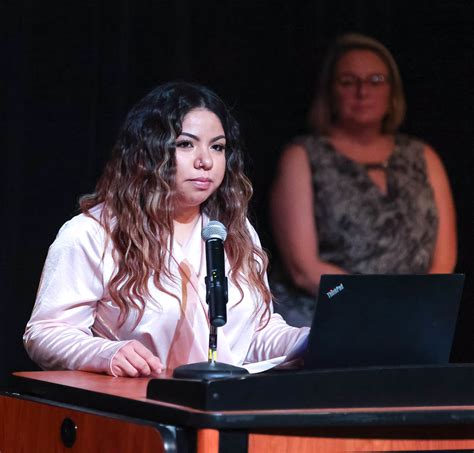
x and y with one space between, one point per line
137 191
322 113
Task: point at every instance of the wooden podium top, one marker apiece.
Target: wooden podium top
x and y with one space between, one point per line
127 396
132 388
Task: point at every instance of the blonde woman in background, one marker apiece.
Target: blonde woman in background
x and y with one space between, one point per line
356 196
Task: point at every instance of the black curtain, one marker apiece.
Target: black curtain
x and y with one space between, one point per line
72 70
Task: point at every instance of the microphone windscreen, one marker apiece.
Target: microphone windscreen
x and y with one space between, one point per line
214 229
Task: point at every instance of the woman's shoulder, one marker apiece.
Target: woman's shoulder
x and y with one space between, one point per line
308 141
418 153
84 227
409 142
253 232
410 148
251 228
313 148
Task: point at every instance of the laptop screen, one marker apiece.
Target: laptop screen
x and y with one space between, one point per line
384 320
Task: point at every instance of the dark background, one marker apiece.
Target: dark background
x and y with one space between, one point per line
72 69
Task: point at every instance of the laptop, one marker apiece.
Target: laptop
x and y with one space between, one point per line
384 320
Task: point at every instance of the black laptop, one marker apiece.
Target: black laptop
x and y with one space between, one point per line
384 320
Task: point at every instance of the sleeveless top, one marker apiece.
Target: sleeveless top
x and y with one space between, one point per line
360 228
364 230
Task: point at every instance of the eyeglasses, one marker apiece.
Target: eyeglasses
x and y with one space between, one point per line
352 81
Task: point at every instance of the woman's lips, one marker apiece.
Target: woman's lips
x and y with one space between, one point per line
201 183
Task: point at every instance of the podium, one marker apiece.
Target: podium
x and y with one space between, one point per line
370 410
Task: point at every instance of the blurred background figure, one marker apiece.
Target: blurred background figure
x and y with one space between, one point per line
357 196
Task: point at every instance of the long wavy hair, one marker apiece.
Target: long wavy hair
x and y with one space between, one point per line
137 191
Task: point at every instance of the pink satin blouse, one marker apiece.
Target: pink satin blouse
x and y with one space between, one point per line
74 324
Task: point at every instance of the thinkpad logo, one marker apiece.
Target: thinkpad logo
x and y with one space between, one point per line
332 292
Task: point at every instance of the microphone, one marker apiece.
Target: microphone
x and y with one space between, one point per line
214 234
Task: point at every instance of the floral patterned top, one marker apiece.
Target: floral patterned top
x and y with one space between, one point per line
364 230
360 228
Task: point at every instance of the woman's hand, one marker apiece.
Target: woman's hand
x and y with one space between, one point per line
135 360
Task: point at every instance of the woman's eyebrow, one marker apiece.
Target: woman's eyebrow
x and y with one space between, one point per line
195 137
190 135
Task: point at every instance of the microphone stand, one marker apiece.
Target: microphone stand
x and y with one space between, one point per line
216 298
210 369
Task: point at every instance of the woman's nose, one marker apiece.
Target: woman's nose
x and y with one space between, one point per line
203 160
361 88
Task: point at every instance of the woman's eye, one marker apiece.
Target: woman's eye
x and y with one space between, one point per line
218 147
184 144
